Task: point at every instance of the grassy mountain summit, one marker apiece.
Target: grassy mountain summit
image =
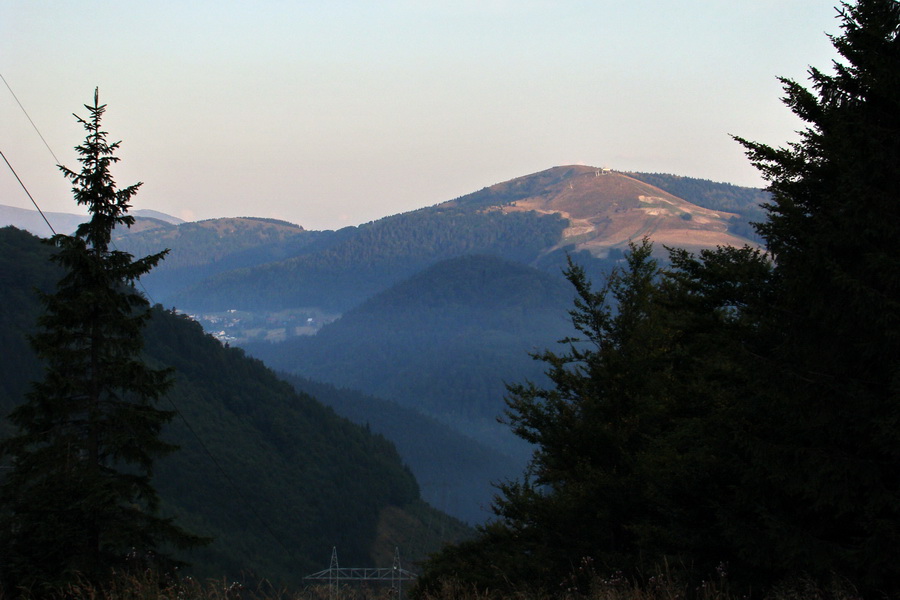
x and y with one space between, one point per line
607 209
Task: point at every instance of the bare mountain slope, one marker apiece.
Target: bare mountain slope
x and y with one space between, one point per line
607 209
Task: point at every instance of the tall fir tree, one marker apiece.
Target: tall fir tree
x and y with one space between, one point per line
77 497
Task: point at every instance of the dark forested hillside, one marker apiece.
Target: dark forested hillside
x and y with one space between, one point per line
453 470
731 419
273 475
441 341
24 266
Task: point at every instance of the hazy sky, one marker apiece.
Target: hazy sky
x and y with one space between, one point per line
334 113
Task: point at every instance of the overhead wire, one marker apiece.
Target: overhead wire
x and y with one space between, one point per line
33 201
29 119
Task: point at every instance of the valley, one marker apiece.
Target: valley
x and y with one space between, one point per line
427 315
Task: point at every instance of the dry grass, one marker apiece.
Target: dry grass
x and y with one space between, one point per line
660 587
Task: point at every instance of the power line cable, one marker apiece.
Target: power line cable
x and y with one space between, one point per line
43 216
29 119
27 116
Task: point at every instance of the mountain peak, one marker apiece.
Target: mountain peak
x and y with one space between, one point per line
608 209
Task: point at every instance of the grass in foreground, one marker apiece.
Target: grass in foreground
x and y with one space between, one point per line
147 586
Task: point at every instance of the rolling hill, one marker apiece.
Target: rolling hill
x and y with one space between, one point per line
440 305
32 222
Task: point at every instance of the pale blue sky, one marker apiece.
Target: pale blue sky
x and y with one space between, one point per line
335 113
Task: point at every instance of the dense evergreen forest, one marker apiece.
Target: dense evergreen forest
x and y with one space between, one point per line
275 477
455 471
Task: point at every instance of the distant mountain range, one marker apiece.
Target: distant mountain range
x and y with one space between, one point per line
534 220
266 264
441 306
32 221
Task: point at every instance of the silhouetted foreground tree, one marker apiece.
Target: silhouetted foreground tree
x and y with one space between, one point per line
731 408
77 498
831 441
636 449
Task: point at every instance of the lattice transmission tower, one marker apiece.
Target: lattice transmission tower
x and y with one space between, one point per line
335 575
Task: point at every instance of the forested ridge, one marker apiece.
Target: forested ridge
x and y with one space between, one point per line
439 325
206 248
291 267
211 261
276 478
747 201
377 255
209 241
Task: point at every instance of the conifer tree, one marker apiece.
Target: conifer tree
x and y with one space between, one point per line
77 499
